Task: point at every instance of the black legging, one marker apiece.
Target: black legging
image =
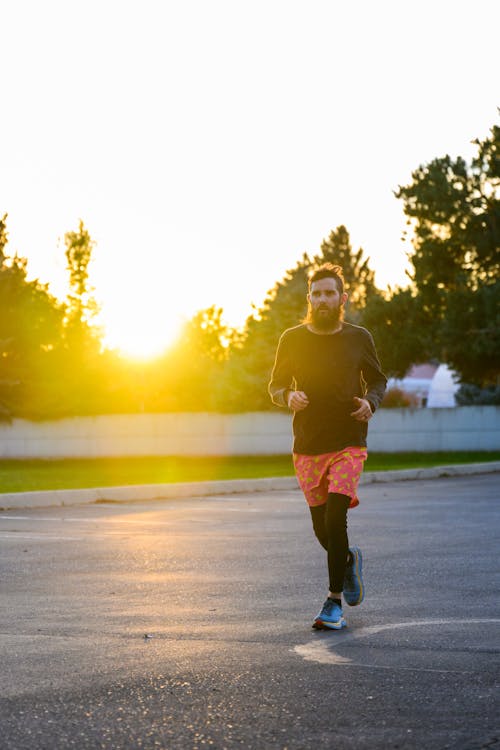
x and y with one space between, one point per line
330 526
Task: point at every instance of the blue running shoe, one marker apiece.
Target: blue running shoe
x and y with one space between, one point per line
331 617
354 590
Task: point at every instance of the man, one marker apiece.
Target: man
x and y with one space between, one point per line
328 373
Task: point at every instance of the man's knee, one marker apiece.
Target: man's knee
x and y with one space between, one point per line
336 509
318 522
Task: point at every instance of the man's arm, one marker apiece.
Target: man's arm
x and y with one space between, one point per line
375 380
282 381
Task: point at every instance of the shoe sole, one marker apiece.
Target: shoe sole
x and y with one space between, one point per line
322 625
358 567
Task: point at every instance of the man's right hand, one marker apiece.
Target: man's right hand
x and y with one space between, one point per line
297 400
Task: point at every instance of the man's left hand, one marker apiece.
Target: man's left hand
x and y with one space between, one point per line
363 412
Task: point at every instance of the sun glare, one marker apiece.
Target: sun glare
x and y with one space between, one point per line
140 349
140 339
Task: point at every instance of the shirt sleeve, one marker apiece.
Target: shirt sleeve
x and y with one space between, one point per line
376 381
282 379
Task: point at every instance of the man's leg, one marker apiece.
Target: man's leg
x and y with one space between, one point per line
330 528
337 546
318 513
344 475
338 543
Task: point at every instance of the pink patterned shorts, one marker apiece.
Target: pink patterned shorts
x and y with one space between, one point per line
330 472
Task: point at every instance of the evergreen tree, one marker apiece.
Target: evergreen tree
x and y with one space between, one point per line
30 333
244 385
359 277
454 210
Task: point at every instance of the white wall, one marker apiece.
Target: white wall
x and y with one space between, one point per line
391 430
467 428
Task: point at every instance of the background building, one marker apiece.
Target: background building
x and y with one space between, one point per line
428 385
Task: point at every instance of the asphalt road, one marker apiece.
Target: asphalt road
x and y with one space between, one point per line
225 590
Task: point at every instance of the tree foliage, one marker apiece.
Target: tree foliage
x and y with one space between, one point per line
244 382
399 329
30 332
454 209
79 248
53 363
359 277
188 375
470 333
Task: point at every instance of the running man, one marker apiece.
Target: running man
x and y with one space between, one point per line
328 373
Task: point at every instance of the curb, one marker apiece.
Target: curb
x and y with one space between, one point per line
179 490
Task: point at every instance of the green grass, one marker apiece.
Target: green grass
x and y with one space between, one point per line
24 475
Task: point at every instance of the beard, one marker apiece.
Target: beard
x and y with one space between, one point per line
325 319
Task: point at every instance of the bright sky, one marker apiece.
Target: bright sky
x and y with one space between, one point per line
208 145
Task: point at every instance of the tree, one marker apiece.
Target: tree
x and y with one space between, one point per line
79 248
359 277
472 395
244 384
85 386
186 378
399 328
30 332
454 210
207 336
470 333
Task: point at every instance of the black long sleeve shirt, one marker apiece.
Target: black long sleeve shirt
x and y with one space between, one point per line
331 369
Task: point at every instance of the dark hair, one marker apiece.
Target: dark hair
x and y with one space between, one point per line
327 271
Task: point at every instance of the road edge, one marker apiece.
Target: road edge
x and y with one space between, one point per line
179 490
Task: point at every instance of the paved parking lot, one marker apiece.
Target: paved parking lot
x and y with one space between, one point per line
187 624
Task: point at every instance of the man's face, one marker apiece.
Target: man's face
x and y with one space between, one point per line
325 303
